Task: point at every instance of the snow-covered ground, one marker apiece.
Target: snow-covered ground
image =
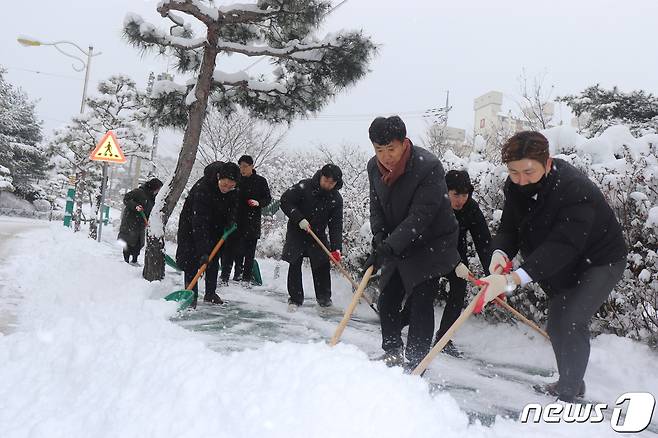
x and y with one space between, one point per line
96 352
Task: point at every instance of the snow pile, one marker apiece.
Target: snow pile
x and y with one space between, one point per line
95 356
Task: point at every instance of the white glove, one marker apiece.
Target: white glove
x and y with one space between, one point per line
304 225
498 262
497 285
462 272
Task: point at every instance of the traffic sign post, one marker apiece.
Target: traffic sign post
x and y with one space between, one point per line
108 151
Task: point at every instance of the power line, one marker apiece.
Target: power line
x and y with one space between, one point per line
57 75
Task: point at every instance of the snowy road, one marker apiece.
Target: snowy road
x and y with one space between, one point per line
11 228
95 353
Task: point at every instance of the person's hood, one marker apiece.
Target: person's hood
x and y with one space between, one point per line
210 173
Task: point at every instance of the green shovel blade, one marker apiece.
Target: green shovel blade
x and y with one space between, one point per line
171 262
184 297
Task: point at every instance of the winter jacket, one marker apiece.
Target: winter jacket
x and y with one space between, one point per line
566 228
471 220
132 225
249 218
323 209
206 213
416 220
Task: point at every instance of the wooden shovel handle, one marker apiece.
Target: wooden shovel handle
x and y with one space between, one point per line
514 312
339 265
351 307
422 366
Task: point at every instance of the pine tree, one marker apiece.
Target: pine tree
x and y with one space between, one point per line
603 108
306 73
20 135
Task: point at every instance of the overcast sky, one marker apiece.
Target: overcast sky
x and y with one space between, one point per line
427 47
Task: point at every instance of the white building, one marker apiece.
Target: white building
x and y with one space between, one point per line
491 121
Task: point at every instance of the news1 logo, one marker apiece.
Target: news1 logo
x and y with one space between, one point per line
637 409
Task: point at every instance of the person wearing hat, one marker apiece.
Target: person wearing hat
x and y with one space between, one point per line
571 243
209 209
137 202
414 237
253 196
313 204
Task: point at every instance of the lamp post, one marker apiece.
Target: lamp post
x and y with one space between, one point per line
84 65
33 42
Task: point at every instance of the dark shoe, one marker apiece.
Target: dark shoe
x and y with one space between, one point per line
409 367
223 282
213 299
325 303
551 389
452 350
392 358
237 277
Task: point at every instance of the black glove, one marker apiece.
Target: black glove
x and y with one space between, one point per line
377 239
203 259
378 256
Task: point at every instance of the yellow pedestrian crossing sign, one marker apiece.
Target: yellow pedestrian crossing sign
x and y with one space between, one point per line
108 150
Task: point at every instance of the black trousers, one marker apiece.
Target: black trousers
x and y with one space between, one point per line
421 317
133 251
211 277
569 314
244 259
321 281
454 303
228 254
453 308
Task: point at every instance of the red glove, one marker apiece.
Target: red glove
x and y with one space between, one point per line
336 255
252 203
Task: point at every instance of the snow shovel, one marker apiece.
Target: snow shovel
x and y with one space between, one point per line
256 278
168 259
351 307
340 267
186 296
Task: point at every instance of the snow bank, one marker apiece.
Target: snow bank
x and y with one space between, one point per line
95 355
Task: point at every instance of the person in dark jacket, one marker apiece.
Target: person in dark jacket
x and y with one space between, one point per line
133 225
253 196
208 210
571 243
471 220
414 236
314 204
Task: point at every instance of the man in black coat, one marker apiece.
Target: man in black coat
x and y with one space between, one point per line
253 196
133 225
209 209
471 220
414 236
313 204
571 243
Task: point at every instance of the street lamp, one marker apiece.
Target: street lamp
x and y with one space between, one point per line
32 42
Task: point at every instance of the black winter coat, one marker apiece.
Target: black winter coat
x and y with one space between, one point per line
566 229
206 213
249 218
471 220
306 200
416 217
132 225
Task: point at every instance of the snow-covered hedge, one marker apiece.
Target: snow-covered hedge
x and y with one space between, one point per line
623 166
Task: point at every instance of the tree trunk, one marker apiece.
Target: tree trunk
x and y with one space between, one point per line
154 257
